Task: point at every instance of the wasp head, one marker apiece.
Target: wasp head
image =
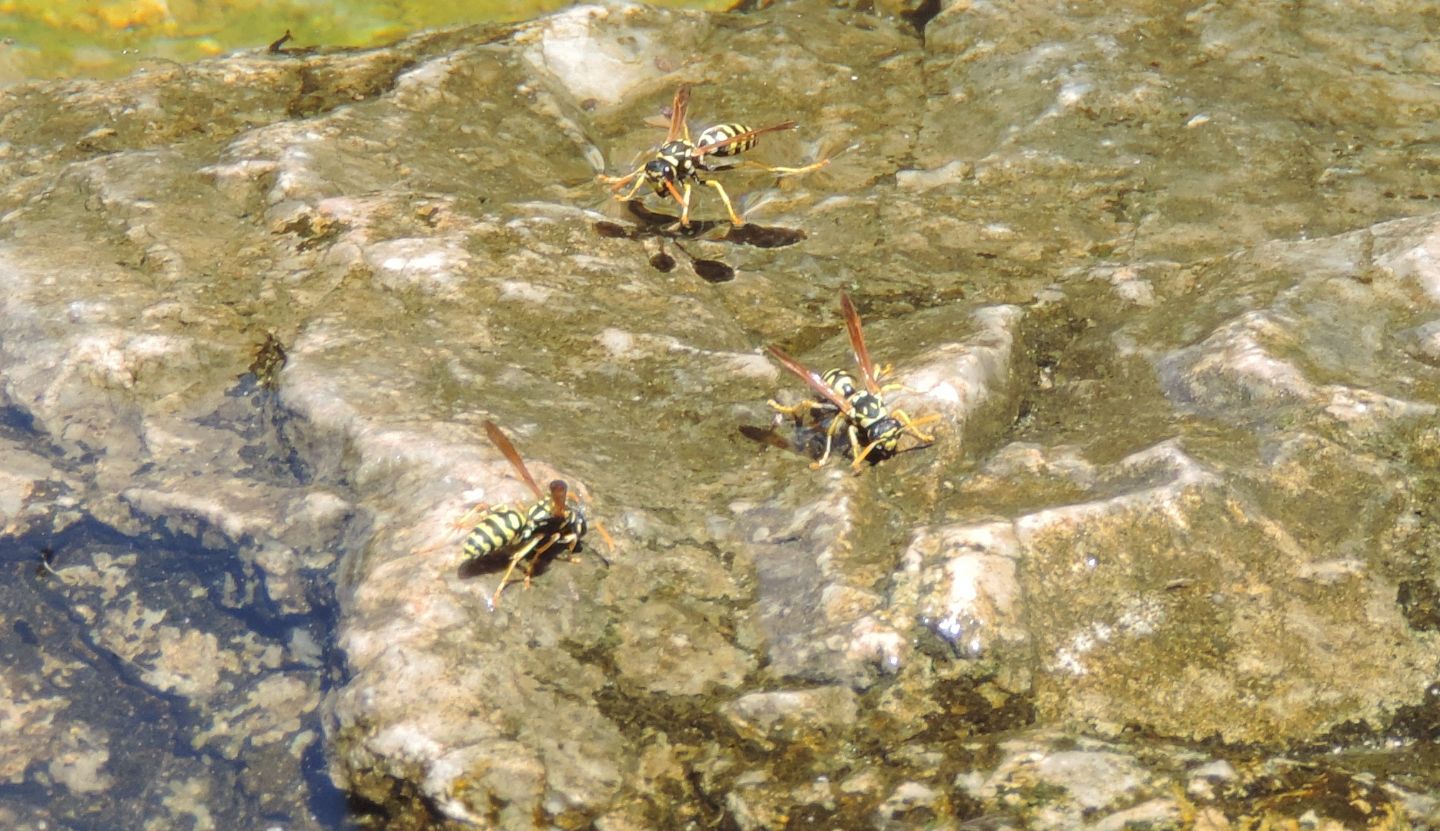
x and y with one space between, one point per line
659 171
885 435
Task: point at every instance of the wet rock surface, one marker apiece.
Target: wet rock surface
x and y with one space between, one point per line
1167 278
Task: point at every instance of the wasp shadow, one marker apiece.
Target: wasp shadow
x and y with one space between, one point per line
666 227
808 438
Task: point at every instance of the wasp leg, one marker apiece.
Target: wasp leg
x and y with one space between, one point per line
857 451
630 194
830 439
514 561
618 182
784 171
911 425
861 454
609 541
797 411
725 197
465 522
892 387
685 208
468 519
569 553
907 424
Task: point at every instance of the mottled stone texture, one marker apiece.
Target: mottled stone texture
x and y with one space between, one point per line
1168 278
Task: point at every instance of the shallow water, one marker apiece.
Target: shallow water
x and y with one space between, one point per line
84 39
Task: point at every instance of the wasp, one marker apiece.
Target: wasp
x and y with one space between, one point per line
555 518
679 162
874 430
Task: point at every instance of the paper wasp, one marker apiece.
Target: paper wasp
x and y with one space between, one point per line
556 518
679 162
873 429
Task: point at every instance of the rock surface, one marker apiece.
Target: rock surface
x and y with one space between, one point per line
1168 279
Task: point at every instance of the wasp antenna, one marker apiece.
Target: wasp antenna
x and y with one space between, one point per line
604 535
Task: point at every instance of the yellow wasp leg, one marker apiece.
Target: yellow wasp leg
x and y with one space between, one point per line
468 519
617 183
514 561
634 189
829 439
605 535
725 197
554 538
857 451
465 522
911 424
685 207
784 171
860 457
796 410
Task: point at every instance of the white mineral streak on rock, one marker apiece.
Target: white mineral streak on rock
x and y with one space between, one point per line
1172 470
1363 409
1174 473
230 506
1082 778
962 376
528 292
296 176
422 86
585 57
633 346
763 715
950 173
1419 263
28 726
1052 462
78 759
969 591
434 266
1237 355
24 472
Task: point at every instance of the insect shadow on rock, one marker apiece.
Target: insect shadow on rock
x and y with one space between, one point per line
662 227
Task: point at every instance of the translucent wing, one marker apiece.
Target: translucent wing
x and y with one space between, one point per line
498 439
677 113
815 382
857 342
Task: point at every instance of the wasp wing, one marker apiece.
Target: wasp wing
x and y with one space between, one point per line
857 343
507 449
677 114
815 381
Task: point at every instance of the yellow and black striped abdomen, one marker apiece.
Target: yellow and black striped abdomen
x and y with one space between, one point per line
724 133
498 529
840 381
